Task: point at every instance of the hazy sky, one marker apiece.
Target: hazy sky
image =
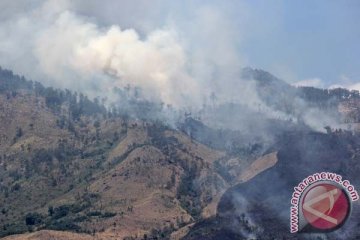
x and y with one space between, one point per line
311 42
307 39
295 40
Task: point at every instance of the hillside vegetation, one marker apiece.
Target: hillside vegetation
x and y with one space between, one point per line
71 168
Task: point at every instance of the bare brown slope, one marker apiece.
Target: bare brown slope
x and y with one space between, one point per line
113 177
51 235
142 177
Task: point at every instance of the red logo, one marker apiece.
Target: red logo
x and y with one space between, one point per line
325 206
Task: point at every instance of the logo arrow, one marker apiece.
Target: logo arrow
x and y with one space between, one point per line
307 205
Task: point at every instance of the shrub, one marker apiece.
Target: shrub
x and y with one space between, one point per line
94 214
108 215
33 219
64 225
61 211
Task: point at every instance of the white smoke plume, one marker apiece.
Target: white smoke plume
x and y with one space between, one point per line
156 64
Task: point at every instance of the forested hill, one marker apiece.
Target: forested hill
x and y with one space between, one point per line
339 103
309 94
273 91
78 103
69 164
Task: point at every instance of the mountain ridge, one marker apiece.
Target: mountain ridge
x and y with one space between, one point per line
70 164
